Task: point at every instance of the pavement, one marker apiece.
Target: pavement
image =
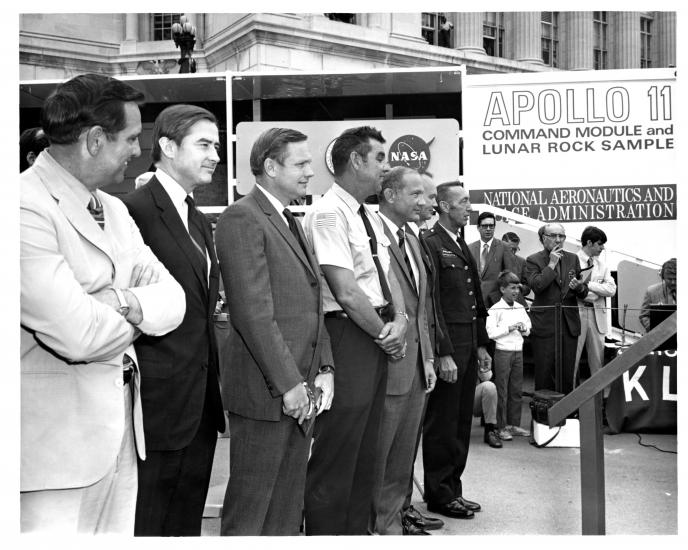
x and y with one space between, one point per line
524 490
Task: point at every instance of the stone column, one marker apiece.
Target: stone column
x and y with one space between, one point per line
131 27
468 32
576 40
525 36
624 39
663 41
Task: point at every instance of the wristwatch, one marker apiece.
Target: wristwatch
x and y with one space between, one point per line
325 369
403 314
123 308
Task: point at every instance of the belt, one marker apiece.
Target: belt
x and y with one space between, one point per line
127 369
588 304
382 310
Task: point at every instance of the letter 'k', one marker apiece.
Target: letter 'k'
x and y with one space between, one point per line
634 383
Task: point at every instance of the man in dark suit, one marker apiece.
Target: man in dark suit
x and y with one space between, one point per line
553 275
411 377
490 255
279 350
180 390
449 415
511 240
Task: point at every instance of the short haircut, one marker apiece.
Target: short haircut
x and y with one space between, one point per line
426 173
353 139
485 215
668 267
32 139
594 234
394 180
506 278
443 190
83 102
174 122
272 144
511 237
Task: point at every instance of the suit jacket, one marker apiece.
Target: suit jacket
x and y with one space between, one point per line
274 292
550 289
174 367
654 295
601 286
401 373
72 409
458 285
499 258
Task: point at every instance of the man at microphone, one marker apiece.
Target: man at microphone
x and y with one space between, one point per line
554 275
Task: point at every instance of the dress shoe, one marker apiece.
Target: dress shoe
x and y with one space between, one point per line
453 509
492 439
468 504
424 522
408 528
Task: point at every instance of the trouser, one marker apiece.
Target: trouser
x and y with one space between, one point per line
508 377
543 359
591 339
339 483
485 402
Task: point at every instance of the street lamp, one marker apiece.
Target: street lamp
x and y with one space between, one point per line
184 36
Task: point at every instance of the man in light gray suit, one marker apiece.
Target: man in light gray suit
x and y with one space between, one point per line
408 378
279 351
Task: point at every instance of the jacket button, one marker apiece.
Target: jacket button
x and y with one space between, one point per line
473 307
468 280
474 318
465 268
470 293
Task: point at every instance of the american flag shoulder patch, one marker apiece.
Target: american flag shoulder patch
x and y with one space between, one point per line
325 219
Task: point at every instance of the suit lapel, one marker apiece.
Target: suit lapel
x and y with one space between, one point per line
170 217
448 242
396 252
276 220
414 246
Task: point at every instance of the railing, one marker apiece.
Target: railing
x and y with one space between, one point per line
587 399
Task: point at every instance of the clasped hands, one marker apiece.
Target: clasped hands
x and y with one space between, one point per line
392 338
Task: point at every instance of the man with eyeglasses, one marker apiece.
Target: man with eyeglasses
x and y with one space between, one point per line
491 256
512 241
554 275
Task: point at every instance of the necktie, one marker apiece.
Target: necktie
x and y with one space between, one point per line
590 261
402 240
295 230
483 257
386 293
196 231
95 207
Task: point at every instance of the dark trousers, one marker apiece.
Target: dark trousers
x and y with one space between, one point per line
448 420
173 485
267 474
543 359
339 483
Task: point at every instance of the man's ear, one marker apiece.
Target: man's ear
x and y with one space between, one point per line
167 147
30 158
442 207
355 160
95 139
269 167
389 194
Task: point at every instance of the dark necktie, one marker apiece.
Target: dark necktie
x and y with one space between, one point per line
386 293
483 256
590 262
291 220
402 240
196 229
95 208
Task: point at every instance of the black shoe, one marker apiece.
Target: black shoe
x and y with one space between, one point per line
424 522
468 504
492 439
408 528
453 509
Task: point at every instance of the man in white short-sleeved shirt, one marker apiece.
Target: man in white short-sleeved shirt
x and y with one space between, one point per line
364 313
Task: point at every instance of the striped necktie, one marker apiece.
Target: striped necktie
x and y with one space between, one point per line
95 208
402 247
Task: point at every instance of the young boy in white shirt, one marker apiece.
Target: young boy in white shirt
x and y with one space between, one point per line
507 324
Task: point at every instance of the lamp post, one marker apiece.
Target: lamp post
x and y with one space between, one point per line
184 36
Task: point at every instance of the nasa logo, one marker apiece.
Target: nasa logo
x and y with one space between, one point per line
410 151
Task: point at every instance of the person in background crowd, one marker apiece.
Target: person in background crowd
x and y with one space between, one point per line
180 392
427 211
593 308
409 378
663 293
89 287
554 275
279 353
491 255
485 406
507 324
364 311
31 142
512 241
449 415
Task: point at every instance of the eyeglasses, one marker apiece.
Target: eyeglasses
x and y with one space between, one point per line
487 225
556 236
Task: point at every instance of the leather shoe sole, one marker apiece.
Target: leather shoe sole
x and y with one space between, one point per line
423 522
468 504
452 509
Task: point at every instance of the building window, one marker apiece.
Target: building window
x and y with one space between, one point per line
645 39
342 17
429 27
599 22
162 25
549 30
493 33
